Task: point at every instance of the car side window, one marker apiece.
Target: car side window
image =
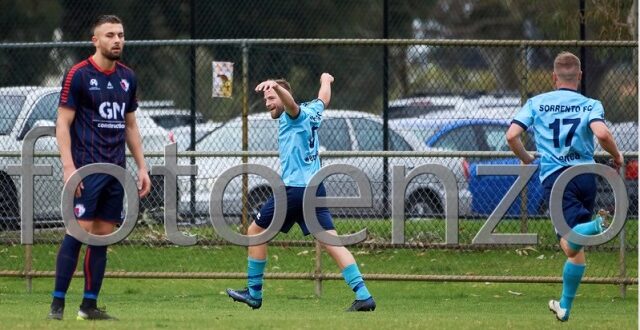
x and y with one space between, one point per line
494 135
461 138
369 136
263 135
45 109
334 134
10 106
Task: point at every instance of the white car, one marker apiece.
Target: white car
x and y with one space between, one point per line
22 109
341 130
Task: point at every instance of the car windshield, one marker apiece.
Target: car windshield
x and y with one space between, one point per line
263 136
10 106
422 133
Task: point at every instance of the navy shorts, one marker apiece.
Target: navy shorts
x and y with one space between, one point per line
102 198
579 197
294 211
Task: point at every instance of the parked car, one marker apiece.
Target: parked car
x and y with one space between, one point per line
447 131
626 136
177 122
452 131
425 104
25 107
341 130
165 114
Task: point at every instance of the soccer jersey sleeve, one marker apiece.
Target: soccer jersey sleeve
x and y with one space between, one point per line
134 95
524 118
597 113
314 110
70 89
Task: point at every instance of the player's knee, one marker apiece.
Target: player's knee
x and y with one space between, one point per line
254 229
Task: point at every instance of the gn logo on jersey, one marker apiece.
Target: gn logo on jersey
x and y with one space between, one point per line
111 110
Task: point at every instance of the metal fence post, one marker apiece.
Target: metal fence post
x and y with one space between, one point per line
524 79
318 270
28 265
245 133
623 263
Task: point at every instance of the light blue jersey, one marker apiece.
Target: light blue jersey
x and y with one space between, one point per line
298 144
560 122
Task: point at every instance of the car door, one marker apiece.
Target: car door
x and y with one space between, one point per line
488 190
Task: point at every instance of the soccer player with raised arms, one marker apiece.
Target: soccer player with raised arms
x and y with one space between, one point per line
298 148
564 123
95 119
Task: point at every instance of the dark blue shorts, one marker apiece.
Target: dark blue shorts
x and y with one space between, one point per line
294 211
579 197
102 198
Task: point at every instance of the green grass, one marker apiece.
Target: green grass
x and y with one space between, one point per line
291 304
524 261
185 304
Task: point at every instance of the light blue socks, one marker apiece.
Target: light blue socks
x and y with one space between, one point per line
588 228
354 280
255 277
571 277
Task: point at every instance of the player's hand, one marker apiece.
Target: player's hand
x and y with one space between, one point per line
144 183
618 161
67 172
529 159
266 85
326 78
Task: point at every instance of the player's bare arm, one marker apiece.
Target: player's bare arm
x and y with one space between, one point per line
290 105
324 94
515 143
134 142
602 133
63 137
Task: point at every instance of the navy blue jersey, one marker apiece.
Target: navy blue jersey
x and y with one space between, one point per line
100 100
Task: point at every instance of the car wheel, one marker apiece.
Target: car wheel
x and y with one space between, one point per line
9 207
422 204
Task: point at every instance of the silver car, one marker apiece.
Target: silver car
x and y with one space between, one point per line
341 130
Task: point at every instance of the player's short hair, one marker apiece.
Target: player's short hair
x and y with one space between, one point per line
567 67
104 19
284 84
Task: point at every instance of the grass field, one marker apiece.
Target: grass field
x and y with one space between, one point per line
193 304
291 304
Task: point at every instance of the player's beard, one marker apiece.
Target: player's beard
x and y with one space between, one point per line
276 112
110 55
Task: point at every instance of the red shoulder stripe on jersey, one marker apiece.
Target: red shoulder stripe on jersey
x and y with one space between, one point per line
67 81
124 66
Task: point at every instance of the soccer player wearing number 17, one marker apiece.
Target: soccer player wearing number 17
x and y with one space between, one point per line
298 144
564 123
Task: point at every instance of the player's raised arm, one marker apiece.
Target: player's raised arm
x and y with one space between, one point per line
290 105
324 94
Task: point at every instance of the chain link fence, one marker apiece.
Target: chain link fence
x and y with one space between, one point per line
442 102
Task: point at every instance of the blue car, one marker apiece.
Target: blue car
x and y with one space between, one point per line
477 134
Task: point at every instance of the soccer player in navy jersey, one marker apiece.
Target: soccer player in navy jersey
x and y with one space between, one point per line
564 123
298 147
95 119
